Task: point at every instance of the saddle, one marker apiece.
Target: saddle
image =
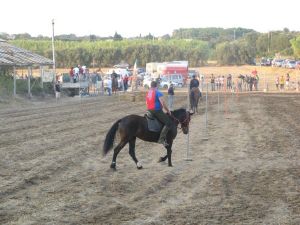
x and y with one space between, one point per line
153 124
196 90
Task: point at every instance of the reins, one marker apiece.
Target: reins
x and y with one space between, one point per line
186 120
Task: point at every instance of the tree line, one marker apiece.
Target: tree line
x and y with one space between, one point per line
233 46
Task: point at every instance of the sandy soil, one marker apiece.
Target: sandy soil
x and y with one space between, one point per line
247 172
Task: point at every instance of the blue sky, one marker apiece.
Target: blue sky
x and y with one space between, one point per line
134 17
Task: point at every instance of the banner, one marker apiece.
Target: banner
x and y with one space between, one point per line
47 76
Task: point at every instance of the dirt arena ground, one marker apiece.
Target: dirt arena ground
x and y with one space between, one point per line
247 172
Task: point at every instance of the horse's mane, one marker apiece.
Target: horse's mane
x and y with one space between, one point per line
178 112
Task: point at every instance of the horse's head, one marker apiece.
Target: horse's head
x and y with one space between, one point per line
183 117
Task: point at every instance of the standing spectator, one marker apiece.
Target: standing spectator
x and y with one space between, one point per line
256 82
222 79
109 85
251 81
277 83
76 74
202 81
120 83
240 82
218 83
84 72
71 73
57 90
171 96
229 81
212 82
254 72
281 83
287 81
114 81
125 82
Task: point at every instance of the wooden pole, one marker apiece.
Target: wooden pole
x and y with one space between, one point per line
53 56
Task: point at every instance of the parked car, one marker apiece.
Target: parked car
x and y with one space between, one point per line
192 73
175 79
147 82
277 62
266 62
297 65
141 70
291 64
122 66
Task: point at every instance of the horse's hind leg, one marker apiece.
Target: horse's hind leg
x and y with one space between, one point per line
117 149
132 153
162 159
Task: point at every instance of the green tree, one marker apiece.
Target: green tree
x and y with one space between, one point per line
295 42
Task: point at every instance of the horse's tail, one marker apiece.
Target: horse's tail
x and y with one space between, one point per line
110 137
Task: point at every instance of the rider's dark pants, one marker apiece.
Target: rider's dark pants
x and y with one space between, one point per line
162 117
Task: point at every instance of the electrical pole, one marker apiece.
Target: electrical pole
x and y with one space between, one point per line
53 55
234 34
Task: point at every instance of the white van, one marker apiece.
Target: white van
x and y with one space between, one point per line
175 79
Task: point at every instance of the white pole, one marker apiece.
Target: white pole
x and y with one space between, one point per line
206 97
218 101
53 55
15 82
187 158
41 74
28 82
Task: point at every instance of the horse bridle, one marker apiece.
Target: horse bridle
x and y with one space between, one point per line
185 122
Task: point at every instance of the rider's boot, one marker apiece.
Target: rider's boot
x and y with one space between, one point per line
163 134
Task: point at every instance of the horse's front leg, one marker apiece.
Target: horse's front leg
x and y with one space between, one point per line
169 153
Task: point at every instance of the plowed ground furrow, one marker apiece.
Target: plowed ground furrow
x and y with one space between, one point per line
62 110
43 172
56 119
52 129
52 105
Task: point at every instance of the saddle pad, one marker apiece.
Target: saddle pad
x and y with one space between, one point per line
153 124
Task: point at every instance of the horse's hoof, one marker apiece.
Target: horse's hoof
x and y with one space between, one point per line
170 165
139 165
160 159
113 166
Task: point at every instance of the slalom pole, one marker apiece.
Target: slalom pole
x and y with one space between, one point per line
205 138
225 102
218 102
187 157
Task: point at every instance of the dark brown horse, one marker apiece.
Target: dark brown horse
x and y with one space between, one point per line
134 126
194 98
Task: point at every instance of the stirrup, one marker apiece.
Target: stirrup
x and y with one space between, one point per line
161 141
165 143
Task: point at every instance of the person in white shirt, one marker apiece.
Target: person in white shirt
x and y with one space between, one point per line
109 86
76 74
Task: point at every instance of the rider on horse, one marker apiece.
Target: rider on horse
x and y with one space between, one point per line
155 104
193 84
